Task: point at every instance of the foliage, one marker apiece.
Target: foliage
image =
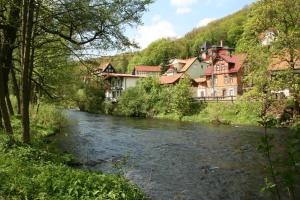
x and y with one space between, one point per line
133 103
149 99
40 171
157 53
90 96
140 101
181 98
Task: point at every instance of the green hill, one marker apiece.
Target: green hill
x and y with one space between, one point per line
229 29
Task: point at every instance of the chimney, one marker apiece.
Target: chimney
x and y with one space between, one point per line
221 43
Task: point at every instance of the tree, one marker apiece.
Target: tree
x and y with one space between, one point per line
74 24
283 17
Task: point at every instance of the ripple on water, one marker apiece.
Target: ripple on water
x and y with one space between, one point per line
167 159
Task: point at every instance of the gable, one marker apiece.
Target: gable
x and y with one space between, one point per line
197 69
109 69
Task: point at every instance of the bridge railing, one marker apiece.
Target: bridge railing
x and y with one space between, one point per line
216 99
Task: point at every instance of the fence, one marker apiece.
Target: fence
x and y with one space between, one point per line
216 99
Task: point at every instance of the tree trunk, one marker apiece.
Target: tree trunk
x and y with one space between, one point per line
27 29
1 124
9 105
3 107
16 89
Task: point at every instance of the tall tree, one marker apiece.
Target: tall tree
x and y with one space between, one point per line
284 18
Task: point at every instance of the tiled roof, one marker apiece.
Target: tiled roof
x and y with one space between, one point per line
188 63
170 79
122 75
238 61
200 80
102 67
148 68
279 64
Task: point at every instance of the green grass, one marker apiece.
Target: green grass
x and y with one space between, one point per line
40 171
238 113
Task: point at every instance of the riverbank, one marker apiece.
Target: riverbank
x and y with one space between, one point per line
40 171
227 113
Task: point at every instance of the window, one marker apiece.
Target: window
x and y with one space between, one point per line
230 78
226 79
222 67
215 80
231 92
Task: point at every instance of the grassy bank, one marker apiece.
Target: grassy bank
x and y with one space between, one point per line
40 171
238 113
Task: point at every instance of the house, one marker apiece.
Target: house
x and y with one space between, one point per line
268 37
280 64
118 83
192 67
147 70
223 75
171 80
105 68
115 82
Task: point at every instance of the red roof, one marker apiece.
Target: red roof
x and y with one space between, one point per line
148 68
188 63
170 79
238 60
122 75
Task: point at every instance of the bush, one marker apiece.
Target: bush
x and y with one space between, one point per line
90 98
34 173
39 171
133 103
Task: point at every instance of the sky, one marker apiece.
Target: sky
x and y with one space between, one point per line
175 18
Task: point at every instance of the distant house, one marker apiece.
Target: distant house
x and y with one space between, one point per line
167 80
268 37
171 80
147 70
116 83
280 64
223 75
192 67
105 68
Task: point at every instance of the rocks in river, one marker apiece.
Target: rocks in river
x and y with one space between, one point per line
89 163
208 168
93 163
246 147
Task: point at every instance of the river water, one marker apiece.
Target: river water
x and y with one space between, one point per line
167 159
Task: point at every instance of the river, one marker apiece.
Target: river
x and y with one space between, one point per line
168 159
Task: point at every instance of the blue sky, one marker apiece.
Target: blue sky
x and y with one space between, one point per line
174 18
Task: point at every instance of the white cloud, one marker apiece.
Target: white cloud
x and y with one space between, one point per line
183 6
183 10
205 21
183 3
156 18
158 29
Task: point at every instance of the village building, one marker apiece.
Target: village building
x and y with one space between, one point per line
224 76
280 64
105 68
171 80
147 70
192 67
116 83
268 37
